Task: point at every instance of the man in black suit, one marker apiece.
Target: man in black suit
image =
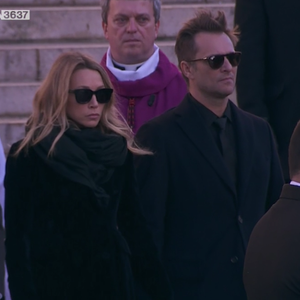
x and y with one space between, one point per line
268 77
204 188
272 264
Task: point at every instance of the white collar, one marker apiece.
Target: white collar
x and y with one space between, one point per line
146 68
295 183
133 67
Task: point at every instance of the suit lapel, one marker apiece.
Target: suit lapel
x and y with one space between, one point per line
192 125
244 136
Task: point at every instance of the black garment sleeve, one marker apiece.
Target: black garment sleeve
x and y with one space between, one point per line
153 180
276 178
251 19
18 211
2 256
146 265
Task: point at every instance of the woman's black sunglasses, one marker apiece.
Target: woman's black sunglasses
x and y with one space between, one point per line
83 96
217 61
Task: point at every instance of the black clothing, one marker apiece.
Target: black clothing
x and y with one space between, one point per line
227 134
84 156
272 265
227 145
2 258
67 241
268 76
200 220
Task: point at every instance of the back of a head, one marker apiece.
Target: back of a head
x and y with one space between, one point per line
294 154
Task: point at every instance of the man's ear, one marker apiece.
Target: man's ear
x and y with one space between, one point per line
186 69
157 24
104 27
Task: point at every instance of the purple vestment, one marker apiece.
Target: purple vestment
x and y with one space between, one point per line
143 99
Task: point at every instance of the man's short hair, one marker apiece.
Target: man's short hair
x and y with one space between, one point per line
105 8
294 152
204 21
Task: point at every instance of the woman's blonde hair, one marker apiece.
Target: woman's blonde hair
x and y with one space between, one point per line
50 101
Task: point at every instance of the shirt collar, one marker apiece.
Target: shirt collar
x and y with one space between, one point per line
295 183
208 116
124 67
139 72
227 112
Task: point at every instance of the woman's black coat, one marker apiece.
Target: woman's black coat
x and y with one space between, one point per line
62 244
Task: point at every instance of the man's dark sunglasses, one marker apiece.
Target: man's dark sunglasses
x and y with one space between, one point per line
217 61
83 96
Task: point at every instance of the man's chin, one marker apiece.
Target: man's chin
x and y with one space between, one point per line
228 91
224 94
134 57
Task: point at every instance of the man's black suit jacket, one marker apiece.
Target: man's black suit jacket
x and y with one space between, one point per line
272 264
200 222
268 77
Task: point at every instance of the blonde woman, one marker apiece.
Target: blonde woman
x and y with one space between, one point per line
74 227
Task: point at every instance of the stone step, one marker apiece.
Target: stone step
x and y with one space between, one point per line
16 98
24 3
11 130
25 68
84 22
31 62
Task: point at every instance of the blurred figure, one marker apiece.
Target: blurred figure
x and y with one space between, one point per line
214 172
268 77
71 203
2 234
272 264
145 81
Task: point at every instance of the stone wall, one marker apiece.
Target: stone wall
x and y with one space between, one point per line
28 48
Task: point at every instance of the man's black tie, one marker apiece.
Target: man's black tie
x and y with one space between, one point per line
225 146
220 125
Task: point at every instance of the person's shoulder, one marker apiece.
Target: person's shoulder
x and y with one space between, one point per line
162 121
157 128
165 62
257 125
14 147
251 117
103 60
171 69
22 158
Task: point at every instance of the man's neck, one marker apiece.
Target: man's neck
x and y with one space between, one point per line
216 105
131 60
